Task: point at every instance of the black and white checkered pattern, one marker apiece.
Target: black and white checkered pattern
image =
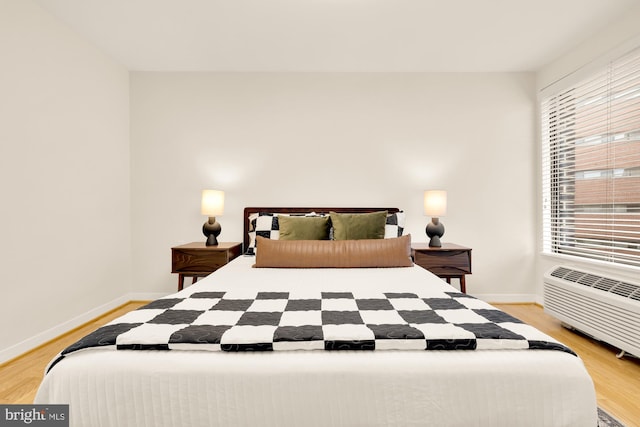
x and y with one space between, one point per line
309 320
263 224
394 226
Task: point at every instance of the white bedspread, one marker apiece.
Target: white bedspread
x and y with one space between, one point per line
322 388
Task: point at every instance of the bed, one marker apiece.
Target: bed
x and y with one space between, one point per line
281 373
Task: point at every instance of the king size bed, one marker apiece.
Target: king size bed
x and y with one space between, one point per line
294 335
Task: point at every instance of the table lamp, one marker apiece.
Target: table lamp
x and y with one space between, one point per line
212 206
435 206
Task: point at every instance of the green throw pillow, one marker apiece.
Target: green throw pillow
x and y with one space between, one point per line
358 226
304 227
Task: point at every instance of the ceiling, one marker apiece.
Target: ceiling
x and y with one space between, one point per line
336 35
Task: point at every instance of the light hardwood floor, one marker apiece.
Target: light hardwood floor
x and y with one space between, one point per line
20 377
617 381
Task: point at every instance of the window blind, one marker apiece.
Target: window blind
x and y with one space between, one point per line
591 165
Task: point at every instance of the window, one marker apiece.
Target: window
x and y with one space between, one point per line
591 165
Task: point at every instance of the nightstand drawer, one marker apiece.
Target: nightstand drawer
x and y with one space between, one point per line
445 263
449 261
187 261
198 260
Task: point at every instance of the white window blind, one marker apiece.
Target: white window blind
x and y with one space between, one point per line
591 165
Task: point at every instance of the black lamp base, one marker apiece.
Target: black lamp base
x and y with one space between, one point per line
211 240
435 230
212 230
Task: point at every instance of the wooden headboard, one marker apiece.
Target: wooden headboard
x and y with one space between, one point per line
324 210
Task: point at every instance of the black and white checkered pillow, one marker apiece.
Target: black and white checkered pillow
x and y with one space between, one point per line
394 227
263 224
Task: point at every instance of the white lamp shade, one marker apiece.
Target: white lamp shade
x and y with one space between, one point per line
212 202
435 203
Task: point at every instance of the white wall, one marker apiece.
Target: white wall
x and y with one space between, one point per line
353 139
613 35
616 37
64 177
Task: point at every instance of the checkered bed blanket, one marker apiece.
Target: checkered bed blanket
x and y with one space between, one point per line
271 321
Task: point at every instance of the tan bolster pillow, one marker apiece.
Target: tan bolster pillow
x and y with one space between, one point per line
394 252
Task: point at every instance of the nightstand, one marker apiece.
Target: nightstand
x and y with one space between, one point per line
449 261
198 260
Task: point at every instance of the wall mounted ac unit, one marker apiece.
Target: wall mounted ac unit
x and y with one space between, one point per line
605 307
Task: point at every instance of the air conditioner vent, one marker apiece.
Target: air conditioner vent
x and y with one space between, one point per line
605 284
607 308
624 289
560 272
589 279
574 276
599 282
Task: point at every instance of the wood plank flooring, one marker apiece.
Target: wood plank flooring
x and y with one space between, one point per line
20 377
617 381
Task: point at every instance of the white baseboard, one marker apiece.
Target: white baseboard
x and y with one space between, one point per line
41 338
509 298
147 296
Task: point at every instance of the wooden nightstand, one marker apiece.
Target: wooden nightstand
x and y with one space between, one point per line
449 261
198 260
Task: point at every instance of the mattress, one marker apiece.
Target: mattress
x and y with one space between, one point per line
105 387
